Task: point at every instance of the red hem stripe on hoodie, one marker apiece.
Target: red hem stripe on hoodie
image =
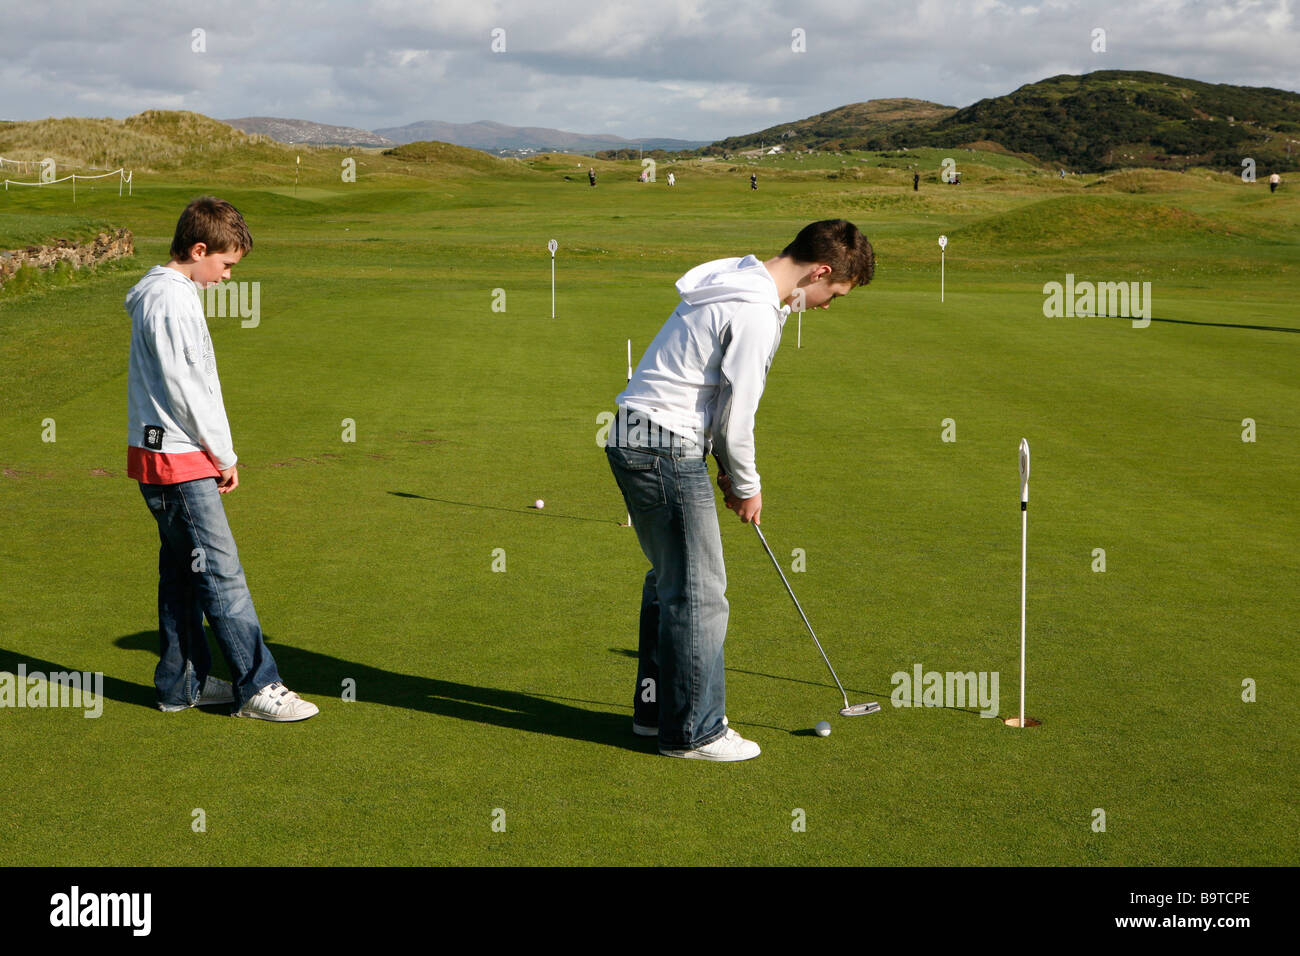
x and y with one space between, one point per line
157 468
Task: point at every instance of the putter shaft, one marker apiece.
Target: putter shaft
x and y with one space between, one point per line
776 564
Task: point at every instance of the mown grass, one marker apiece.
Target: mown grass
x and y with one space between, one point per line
479 691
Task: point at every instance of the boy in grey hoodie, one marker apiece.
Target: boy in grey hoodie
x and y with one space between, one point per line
180 451
697 390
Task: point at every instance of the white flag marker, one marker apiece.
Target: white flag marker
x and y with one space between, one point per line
943 245
552 246
627 522
1024 554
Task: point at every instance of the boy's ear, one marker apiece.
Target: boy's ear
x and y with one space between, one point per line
195 251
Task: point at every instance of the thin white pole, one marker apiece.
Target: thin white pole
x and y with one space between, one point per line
627 521
1024 544
551 246
800 341
942 261
1024 562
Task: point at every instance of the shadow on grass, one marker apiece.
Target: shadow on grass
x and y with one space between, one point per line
513 511
855 696
319 678
881 696
115 688
1218 325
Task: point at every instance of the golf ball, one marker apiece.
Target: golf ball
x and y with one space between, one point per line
823 729
539 504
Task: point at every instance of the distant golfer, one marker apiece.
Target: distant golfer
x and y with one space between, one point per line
672 179
591 175
916 182
753 180
696 390
179 450
1273 182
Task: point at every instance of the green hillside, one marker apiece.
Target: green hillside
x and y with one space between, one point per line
1105 120
1115 118
874 125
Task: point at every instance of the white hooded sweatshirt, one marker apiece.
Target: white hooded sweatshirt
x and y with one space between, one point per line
703 374
177 428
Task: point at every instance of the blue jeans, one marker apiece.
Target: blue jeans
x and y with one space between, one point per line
199 574
680 686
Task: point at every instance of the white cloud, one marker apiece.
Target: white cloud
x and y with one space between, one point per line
698 69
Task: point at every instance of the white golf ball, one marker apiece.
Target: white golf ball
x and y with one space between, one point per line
823 729
539 504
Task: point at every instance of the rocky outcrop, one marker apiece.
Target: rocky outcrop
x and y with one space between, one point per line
105 246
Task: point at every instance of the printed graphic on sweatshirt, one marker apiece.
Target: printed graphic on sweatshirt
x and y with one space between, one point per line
206 354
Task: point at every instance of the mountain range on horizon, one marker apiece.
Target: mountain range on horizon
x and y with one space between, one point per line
485 135
1085 122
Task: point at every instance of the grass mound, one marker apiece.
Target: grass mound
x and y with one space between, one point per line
453 159
1077 220
154 140
1145 181
19 230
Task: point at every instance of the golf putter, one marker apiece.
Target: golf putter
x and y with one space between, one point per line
849 710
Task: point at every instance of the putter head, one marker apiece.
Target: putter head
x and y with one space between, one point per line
857 710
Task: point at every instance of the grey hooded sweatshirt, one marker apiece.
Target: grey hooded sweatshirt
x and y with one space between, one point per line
176 419
704 373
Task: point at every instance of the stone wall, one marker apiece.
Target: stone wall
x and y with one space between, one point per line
105 246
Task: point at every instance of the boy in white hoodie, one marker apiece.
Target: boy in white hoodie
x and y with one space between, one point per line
696 390
179 449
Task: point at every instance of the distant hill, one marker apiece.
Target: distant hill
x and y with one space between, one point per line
1089 123
174 140
1115 118
875 124
152 140
305 132
499 138
465 159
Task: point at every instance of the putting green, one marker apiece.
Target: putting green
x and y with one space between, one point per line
492 716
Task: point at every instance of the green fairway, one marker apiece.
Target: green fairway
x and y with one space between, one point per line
485 696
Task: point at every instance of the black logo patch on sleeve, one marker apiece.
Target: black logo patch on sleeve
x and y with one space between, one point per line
153 437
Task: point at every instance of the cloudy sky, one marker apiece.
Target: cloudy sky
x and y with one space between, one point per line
691 69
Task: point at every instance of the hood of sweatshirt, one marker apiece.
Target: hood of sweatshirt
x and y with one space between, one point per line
158 280
745 280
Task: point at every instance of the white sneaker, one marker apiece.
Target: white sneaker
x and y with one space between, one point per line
277 702
642 730
730 746
215 691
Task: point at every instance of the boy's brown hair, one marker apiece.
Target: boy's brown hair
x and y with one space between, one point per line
213 222
838 244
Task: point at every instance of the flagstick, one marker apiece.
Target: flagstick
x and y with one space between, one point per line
800 342
943 246
1024 560
551 246
628 522
1023 721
